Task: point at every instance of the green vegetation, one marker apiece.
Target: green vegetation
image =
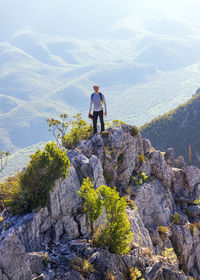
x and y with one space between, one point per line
116 234
142 158
135 274
114 123
176 218
140 179
131 204
82 265
164 232
28 190
168 256
93 205
58 127
80 130
181 123
134 130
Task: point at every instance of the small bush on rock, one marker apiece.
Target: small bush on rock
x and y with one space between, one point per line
44 168
134 130
176 218
135 273
168 256
11 195
142 158
80 130
93 205
116 234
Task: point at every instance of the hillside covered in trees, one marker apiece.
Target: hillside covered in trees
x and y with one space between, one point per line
178 129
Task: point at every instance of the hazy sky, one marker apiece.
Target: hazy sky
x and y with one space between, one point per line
85 18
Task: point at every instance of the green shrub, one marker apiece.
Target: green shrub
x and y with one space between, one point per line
142 158
11 195
58 127
116 234
139 180
82 265
114 123
135 273
168 256
131 204
80 130
117 231
134 130
164 232
93 205
44 168
176 218
26 191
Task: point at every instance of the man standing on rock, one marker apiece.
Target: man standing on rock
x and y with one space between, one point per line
97 99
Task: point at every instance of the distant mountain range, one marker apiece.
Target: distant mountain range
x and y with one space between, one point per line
142 75
178 129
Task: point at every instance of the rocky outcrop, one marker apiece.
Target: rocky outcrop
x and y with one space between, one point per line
53 242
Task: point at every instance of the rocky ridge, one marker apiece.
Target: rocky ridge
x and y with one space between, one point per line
51 243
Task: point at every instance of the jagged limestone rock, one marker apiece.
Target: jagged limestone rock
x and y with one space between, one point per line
140 233
159 167
192 175
155 203
146 146
13 258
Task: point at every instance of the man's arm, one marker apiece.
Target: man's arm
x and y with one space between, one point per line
104 102
90 105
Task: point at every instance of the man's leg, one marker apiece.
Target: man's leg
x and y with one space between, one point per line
101 120
95 115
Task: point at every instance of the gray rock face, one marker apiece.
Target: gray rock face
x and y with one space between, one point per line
169 156
193 175
118 152
160 168
13 258
155 204
146 146
140 233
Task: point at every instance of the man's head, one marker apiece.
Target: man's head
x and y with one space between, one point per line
96 88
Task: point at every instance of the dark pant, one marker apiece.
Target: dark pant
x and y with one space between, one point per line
95 117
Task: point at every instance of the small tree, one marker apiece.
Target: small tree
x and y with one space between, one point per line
58 127
39 177
93 205
80 130
117 231
116 235
3 159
